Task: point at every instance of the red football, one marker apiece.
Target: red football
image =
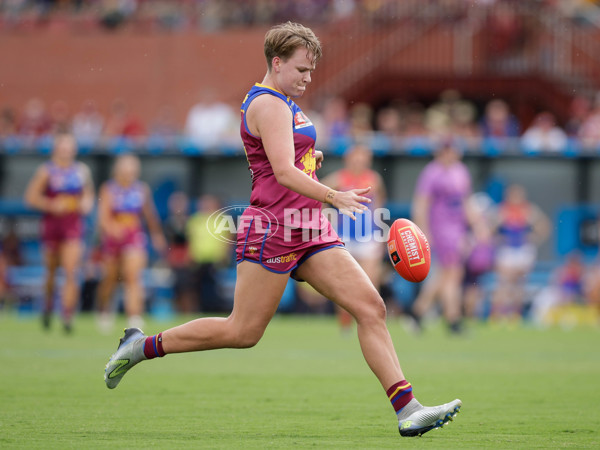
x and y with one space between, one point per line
409 250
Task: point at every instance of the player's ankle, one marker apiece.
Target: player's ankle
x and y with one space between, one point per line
410 408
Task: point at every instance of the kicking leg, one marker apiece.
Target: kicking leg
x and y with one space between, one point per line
338 276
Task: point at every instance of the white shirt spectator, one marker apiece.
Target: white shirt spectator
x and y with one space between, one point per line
544 135
88 124
211 123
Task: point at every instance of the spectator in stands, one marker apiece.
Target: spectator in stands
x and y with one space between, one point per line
214 16
465 126
122 123
498 122
544 135
361 121
441 210
360 235
210 249
124 204
35 121
62 190
415 121
59 117
579 109
211 121
445 114
589 132
336 120
178 252
115 13
389 121
164 124
88 123
520 227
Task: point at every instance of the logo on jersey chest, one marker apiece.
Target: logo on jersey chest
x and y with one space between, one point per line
301 121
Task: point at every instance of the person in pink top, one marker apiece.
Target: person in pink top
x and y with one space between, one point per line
63 190
441 210
283 232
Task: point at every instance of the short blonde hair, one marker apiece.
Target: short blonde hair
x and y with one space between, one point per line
282 40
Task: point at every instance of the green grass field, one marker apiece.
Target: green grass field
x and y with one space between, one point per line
304 385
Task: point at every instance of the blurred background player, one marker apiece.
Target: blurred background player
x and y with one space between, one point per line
440 209
124 203
210 250
63 190
481 252
178 254
358 235
520 228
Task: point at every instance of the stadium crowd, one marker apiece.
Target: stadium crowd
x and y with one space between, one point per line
215 15
212 121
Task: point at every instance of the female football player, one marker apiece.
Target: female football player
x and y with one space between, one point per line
284 233
125 203
62 189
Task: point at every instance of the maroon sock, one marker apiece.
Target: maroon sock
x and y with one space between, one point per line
153 346
400 394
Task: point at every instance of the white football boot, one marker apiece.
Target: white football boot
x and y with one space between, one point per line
422 419
128 354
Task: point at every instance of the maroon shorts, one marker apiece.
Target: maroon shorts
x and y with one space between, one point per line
58 229
134 240
283 249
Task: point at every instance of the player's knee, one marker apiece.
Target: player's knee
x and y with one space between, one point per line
246 337
248 340
373 310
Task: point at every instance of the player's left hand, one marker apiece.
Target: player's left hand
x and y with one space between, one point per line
318 158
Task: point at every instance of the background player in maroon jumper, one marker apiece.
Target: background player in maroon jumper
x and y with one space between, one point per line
63 190
125 203
279 143
358 235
